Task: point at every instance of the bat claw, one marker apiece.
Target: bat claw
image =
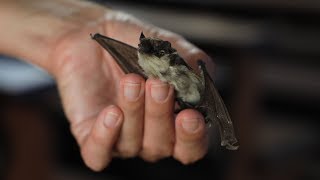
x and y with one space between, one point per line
230 144
95 36
201 63
231 147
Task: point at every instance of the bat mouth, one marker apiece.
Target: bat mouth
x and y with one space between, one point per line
141 51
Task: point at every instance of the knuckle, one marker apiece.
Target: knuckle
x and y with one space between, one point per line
128 150
159 112
93 165
133 109
157 115
97 138
187 160
155 153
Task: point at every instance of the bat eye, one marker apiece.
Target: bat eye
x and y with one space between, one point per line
161 52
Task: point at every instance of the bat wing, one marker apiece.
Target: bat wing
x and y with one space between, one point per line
125 55
215 110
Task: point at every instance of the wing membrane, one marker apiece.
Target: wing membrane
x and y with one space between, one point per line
125 55
215 110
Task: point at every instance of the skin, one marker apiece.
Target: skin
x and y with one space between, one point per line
54 35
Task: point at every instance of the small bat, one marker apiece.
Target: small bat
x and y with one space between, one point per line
156 58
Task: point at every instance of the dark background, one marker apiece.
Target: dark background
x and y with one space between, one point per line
267 55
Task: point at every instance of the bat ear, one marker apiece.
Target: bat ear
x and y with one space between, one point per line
142 36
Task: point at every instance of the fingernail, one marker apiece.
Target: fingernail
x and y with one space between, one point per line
159 92
111 120
190 125
132 90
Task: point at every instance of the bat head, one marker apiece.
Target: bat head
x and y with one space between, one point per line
154 46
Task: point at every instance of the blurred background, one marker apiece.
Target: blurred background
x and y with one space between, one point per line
267 55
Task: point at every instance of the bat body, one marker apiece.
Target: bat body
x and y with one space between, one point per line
156 58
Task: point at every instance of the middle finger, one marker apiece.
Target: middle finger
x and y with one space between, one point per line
159 133
132 104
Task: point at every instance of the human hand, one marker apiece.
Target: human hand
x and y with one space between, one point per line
118 115
111 114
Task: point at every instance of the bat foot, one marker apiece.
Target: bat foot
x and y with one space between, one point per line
184 105
229 141
230 146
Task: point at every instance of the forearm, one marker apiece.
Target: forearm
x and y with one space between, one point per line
29 30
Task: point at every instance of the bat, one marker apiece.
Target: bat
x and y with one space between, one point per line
156 58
